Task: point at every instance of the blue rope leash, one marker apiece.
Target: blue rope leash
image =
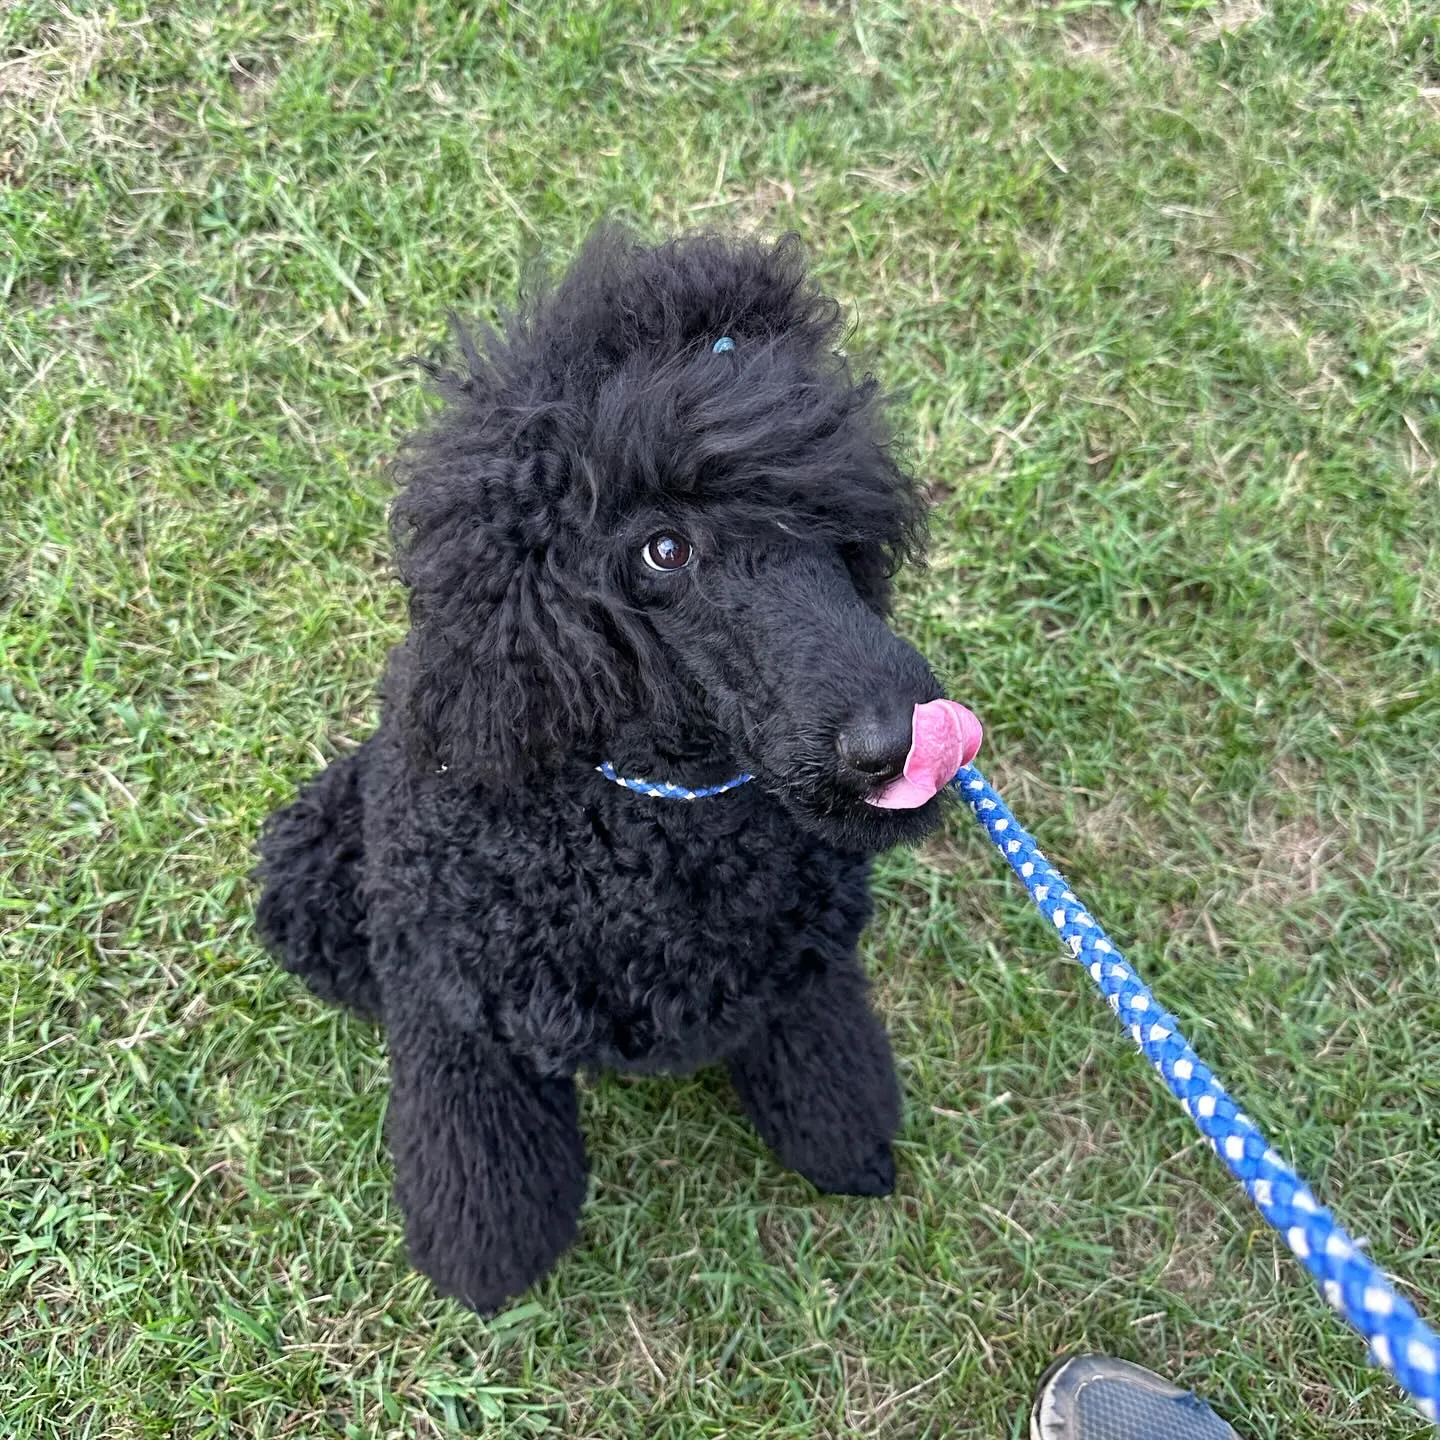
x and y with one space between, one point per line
1400 1341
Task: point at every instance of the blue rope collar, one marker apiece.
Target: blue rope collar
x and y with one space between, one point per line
664 790
1400 1341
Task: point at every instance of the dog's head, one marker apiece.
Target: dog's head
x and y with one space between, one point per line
623 524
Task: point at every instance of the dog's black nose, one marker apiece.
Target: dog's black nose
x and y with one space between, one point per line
874 749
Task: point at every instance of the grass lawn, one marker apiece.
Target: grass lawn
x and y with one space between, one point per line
1158 289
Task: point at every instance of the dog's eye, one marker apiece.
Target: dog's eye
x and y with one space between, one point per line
667 551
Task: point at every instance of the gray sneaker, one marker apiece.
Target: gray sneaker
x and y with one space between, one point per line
1092 1397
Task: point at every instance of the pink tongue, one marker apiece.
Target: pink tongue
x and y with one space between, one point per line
943 737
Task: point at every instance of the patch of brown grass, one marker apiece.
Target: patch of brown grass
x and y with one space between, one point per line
1226 19
1094 38
55 72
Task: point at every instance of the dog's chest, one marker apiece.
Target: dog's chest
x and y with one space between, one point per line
653 934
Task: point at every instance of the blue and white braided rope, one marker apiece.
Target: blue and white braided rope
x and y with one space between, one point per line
1400 1341
663 790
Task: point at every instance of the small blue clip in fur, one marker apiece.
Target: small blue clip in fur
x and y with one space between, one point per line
723 344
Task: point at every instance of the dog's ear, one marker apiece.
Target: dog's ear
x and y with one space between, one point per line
512 659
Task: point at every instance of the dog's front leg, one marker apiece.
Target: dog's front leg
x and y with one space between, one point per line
818 1080
489 1163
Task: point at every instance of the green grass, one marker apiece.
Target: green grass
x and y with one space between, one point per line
1157 287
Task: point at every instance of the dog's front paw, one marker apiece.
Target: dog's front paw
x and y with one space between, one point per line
487 1267
874 1176
480 1283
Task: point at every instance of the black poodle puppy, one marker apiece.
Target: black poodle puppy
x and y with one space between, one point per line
655 526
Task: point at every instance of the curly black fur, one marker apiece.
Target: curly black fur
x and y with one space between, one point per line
510 914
